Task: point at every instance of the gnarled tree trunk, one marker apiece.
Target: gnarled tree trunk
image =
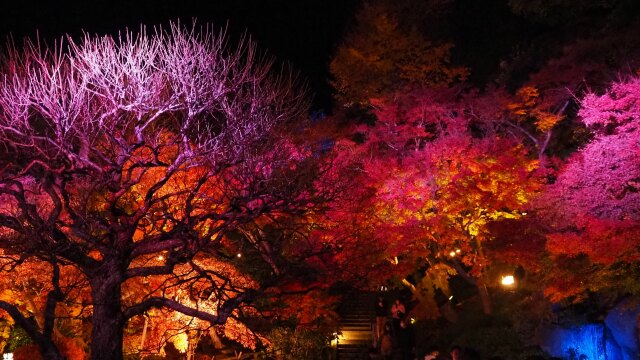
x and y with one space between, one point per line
108 320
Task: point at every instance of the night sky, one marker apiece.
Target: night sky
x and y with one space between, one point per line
303 33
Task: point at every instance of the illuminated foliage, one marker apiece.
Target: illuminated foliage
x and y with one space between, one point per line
381 56
158 189
529 106
592 208
145 164
454 168
439 185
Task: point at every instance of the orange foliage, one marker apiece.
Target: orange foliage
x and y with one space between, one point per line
531 105
380 57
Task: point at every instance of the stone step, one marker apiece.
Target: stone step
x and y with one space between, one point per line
362 326
359 342
354 336
352 351
352 346
356 348
356 319
356 330
356 316
356 312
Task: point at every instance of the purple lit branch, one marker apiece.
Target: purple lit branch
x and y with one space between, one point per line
189 83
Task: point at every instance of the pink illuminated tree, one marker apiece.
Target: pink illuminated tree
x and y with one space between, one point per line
593 208
131 159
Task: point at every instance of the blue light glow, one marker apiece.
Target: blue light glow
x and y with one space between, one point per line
587 342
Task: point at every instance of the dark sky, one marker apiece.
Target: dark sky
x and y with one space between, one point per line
303 32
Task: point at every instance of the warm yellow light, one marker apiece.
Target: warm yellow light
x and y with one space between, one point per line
181 342
452 254
160 257
337 337
508 280
458 251
239 255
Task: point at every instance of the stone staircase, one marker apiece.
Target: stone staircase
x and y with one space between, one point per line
357 316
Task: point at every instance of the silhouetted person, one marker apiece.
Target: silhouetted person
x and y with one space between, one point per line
405 339
382 309
456 353
398 311
386 344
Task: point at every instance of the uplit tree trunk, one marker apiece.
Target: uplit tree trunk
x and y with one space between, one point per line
107 321
485 298
479 284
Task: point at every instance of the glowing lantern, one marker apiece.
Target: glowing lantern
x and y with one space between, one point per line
508 280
